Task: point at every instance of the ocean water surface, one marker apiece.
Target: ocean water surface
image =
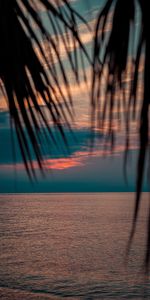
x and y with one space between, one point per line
72 246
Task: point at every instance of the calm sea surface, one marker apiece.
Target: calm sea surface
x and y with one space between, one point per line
71 246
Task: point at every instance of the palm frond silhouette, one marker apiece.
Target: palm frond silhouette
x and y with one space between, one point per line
117 55
22 71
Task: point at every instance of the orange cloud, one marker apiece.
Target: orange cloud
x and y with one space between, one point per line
78 159
62 163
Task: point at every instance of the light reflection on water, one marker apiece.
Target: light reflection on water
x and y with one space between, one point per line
59 245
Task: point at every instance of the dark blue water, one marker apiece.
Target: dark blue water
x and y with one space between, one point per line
71 246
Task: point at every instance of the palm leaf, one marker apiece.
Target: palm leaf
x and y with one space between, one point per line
114 52
28 54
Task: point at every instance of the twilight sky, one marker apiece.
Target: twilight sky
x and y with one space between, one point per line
72 170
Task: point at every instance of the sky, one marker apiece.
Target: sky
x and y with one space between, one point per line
76 168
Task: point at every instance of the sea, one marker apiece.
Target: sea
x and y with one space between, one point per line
73 246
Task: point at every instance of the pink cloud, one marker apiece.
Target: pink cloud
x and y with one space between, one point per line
62 163
78 159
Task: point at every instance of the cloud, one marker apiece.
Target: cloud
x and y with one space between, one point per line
76 141
78 154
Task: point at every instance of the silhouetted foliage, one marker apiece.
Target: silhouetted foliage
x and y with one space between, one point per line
24 44
117 55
